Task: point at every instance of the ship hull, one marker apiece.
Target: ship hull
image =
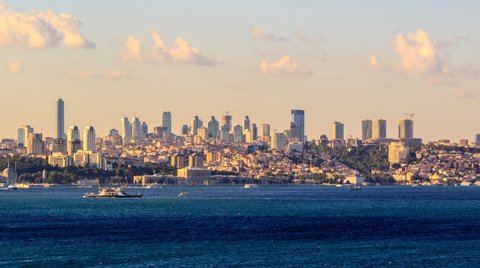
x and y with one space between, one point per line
103 196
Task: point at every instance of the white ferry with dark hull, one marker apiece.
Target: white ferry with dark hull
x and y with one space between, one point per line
112 193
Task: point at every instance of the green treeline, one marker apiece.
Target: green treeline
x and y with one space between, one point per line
31 170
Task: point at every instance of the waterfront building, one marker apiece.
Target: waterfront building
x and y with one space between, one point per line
279 141
225 134
398 152
337 131
126 128
379 129
246 123
367 129
405 129
213 128
60 119
254 132
227 121
89 139
237 134
265 130
136 127
35 145
298 118
9 176
23 133
195 125
194 175
167 121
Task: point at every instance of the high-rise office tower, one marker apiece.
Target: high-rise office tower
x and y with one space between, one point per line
477 138
237 133
279 141
167 121
254 132
265 130
246 123
136 127
195 125
226 134
298 118
227 120
60 119
73 134
295 132
160 132
405 129
126 128
337 131
213 128
379 129
35 145
366 129
184 130
202 132
247 134
89 139
144 130
23 132
59 145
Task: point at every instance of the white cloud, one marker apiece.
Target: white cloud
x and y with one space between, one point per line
285 66
35 29
462 93
112 75
259 34
15 67
181 51
304 38
417 55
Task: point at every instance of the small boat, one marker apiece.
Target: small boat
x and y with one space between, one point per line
12 187
251 186
112 193
184 194
355 187
154 185
339 185
415 185
46 185
22 185
83 186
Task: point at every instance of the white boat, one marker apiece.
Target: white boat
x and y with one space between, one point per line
339 185
251 186
154 185
113 193
22 185
355 187
46 185
184 194
81 186
12 187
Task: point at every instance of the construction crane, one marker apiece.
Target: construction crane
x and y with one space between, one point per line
411 115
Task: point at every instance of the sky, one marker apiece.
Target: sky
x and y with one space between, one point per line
338 60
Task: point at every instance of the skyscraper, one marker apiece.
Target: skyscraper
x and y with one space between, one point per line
213 128
226 134
337 131
136 127
89 139
126 128
254 132
246 123
379 129
23 132
227 120
195 125
405 129
167 121
60 119
144 130
238 133
366 129
477 138
265 130
73 134
279 141
184 130
35 145
295 132
298 118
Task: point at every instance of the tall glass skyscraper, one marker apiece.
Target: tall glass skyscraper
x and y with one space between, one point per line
60 119
366 129
213 128
167 121
298 118
23 135
136 127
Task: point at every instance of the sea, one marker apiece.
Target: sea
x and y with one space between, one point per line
232 226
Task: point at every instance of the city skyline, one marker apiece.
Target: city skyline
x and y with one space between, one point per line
349 67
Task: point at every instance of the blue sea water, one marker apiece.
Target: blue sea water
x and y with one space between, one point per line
288 226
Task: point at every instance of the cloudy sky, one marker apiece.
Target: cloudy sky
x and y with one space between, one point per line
337 60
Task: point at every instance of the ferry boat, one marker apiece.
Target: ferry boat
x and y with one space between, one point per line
153 185
339 185
355 187
184 194
112 193
22 185
251 186
12 187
